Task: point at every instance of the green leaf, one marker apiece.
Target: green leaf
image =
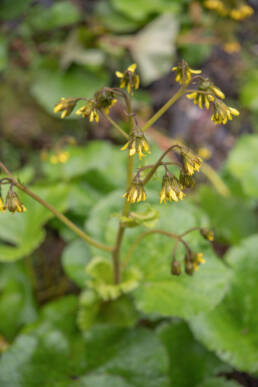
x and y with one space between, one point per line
42 355
242 163
136 355
53 353
190 362
113 20
21 233
17 304
75 258
248 95
50 85
141 9
159 291
13 9
92 310
219 382
102 279
59 14
231 218
98 159
231 328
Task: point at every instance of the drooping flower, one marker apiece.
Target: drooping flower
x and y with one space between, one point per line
184 72
137 143
129 79
222 112
89 110
207 234
66 106
13 203
205 94
191 162
135 192
171 189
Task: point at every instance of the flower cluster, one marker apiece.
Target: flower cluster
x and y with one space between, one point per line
135 192
12 202
222 112
238 11
184 72
191 162
171 189
129 79
137 143
206 94
65 106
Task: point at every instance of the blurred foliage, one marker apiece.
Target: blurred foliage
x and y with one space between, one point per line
154 329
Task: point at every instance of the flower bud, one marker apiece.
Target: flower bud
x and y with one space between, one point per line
13 202
207 234
187 181
175 267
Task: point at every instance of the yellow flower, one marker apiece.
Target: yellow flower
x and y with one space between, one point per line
242 12
171 189
187 181
184 72
216 5
66 106
223 113
201 99
207 234
59 157
197 259
205 94
137 144
135 193
231 47
129 79
89 110
191 162
13 202
2 207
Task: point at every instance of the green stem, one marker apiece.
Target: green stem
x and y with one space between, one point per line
115 124
146 233
58 214
158 163
126 208
164 108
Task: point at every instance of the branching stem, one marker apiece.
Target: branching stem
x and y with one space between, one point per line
58 214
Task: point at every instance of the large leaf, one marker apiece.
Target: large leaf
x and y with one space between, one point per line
190 362
140 9
231 329
17 305
22 233
248 95
242 163
231 218
53 353
59 14
136 355
12 9
159 291
75 258
102 163
52 84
